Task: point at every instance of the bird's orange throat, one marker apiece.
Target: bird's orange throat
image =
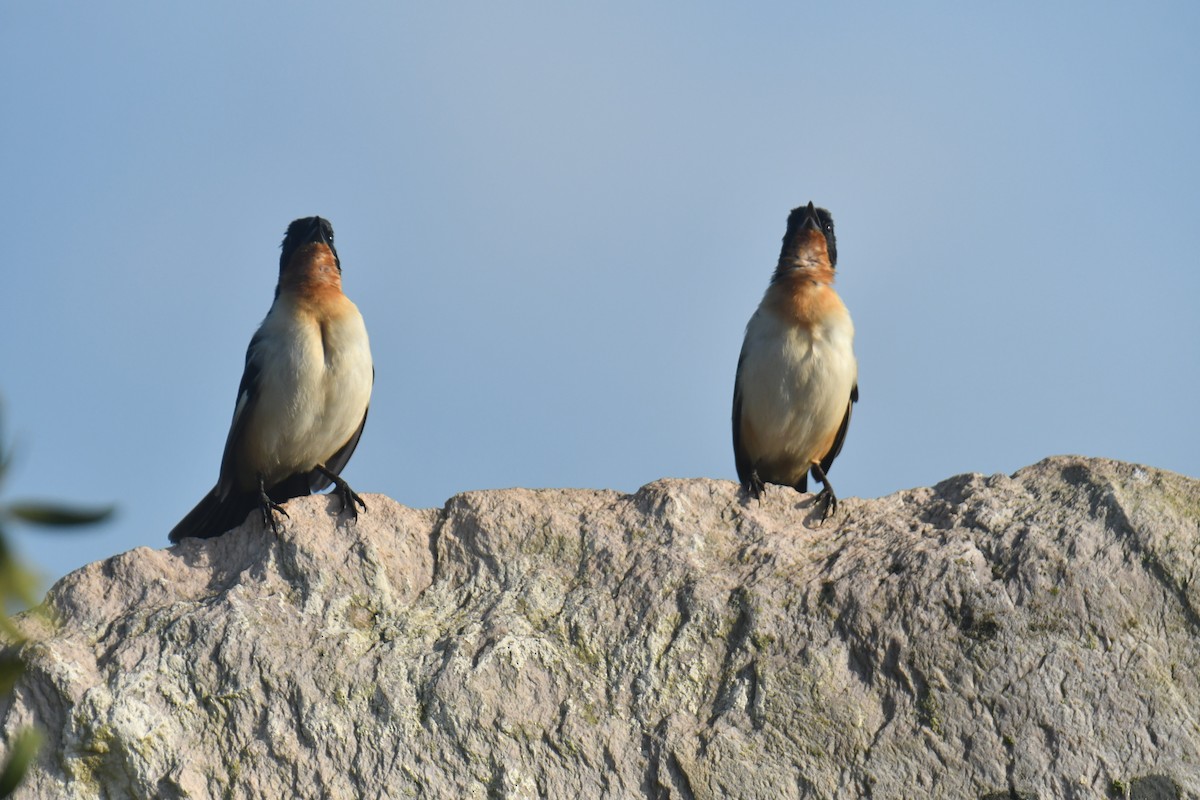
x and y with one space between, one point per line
805 296
312 273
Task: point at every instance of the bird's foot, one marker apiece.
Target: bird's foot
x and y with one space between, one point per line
826 501
350 498
755 486
268 507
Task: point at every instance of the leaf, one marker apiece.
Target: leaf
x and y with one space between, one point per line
23 751
11 668
58 516
16 582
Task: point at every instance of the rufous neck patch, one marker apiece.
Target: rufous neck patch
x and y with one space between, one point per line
312 270
811 251
805 296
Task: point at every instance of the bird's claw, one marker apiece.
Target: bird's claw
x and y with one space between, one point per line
827 502
755 486
350 499
268 508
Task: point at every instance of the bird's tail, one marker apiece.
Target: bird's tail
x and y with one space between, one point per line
212 516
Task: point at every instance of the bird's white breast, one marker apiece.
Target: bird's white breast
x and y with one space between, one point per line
795 383
314 388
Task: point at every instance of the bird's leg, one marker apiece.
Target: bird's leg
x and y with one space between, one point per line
755 486
826 499
268 506
348 495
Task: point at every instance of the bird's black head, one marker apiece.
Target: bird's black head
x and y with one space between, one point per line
309 230
801 242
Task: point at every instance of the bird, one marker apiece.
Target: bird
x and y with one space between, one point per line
797 378
304 395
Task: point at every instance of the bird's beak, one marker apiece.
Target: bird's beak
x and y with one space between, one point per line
811 223
317 235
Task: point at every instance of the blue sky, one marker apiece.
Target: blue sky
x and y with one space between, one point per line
557 218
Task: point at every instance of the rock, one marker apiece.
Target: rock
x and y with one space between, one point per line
1033 636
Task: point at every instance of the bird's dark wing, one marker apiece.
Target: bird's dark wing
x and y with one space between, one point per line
740 458
227 505
213 515
247 398
840 439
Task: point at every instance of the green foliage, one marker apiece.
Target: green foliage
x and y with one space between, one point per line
56 516
18 585
24 749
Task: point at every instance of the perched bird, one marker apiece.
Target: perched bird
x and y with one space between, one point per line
797 379
304 394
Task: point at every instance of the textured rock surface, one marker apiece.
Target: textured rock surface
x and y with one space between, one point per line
1033 636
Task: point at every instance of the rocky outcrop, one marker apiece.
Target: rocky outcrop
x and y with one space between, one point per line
1032 636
